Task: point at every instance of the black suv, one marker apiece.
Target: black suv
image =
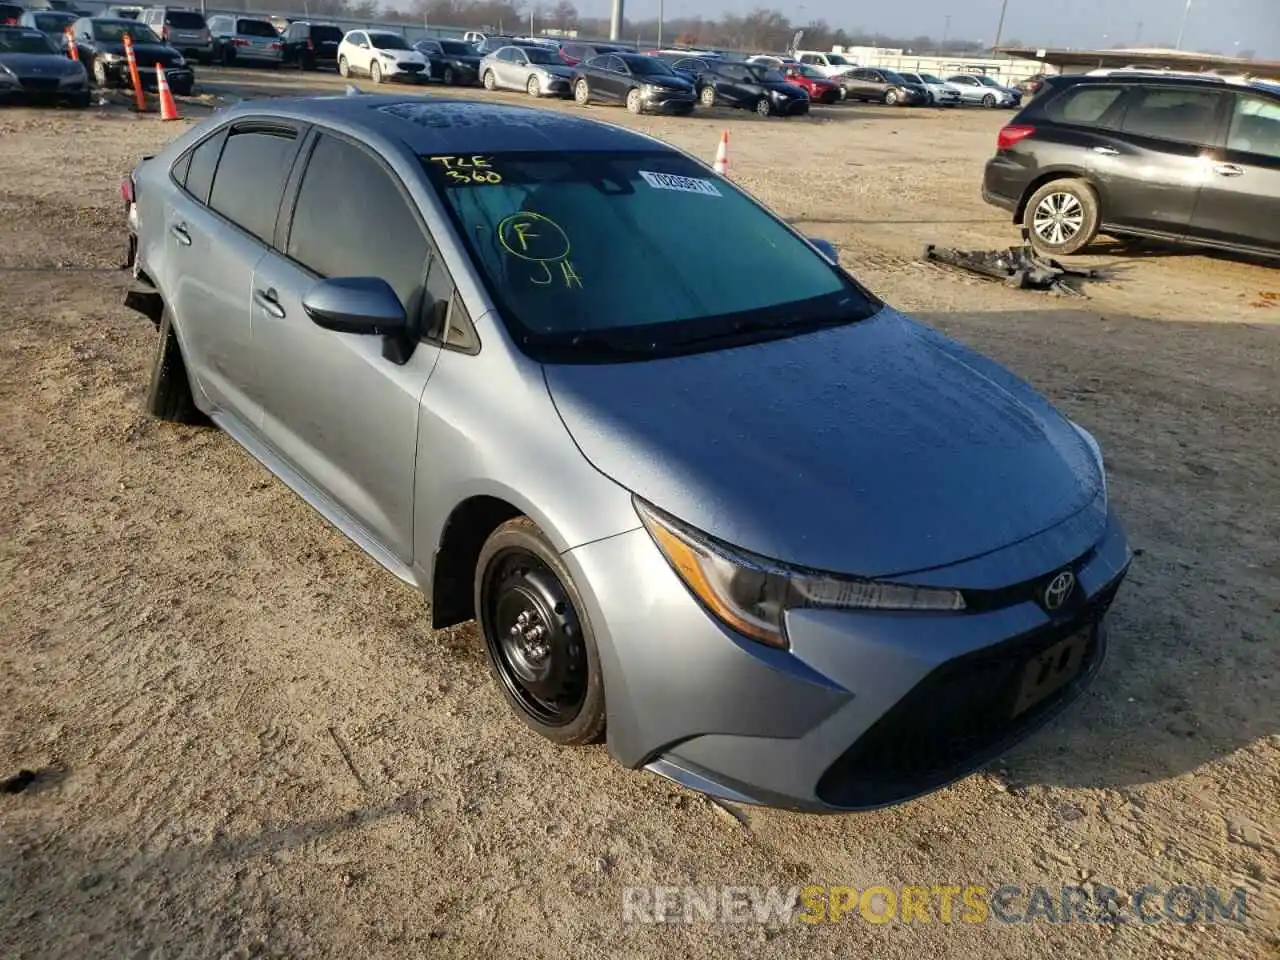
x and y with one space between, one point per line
1187 159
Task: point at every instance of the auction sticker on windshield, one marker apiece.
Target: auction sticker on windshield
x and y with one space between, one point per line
669 181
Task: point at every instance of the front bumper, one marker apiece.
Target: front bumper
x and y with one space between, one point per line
669 102
555 87
406 71
865 710
178 78
47 89
791 108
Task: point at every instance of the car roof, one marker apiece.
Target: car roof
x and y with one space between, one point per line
440 125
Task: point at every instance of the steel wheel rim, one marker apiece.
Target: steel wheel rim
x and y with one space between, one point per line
534 637
762 107
633 101
580 91
532 87
1058 218
708 97
490 82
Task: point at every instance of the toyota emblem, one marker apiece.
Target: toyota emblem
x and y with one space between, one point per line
1058 590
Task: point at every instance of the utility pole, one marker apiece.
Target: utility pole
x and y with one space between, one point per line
531 33
1004 6
946 30
1137 36
660 12
615 22
1186 12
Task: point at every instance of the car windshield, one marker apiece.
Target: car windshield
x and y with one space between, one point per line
256 28
578 254
647 66
24 41
388 41
113 31
807 71
929 78
457 48
987 81
765 74
542 55
184 20
891 77
54 22
835 60
326 34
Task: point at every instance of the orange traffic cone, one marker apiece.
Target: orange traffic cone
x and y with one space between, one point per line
72 50
168 108
722 155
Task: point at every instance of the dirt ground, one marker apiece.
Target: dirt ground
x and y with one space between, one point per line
186 649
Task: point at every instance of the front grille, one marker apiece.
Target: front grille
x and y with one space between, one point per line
409 67
980 601
40 84
957 717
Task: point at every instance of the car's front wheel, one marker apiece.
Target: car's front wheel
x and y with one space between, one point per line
100 74
447 76
708 96
891 98
490 81
344 68
635 103
764 107
540 644
1062 217
533 88
989 100
581 92
375 72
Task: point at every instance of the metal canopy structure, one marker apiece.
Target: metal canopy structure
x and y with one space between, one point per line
1080 61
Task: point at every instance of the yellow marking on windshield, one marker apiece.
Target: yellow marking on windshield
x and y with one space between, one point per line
473 169
539 240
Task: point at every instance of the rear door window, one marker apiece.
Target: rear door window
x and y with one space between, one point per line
256 28
250 179
204 160
1085 106
1182 116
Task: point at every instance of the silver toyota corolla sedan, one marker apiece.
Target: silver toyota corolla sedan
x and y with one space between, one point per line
706 496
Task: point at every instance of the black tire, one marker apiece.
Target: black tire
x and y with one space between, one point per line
989 101
100 78
228 56
81 100
550 679
375 72
344 68
182 89
169 395
891 98
1062 217
707 96
447 77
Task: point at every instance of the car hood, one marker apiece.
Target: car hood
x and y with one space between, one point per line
876 449
555 69
669 83
50 64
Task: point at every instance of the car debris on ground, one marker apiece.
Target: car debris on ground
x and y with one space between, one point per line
1019 267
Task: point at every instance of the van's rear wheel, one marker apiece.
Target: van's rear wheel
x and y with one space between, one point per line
541 648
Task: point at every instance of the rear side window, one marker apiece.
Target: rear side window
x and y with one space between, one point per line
1085 106
184 20
250 180
326 34
344 187
1185 116
204 160
256 28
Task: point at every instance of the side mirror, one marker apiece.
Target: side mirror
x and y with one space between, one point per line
826 248
364 305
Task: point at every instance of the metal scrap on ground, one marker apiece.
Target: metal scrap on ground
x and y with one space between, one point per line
1016 266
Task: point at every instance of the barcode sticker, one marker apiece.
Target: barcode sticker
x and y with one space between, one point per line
669 181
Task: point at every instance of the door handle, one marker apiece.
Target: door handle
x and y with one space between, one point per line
1228 170
179 230
269 302
1107 151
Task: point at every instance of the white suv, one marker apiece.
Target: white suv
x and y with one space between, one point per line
380 55
827 64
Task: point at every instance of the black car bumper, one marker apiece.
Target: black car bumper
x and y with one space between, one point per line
45 90
791 108
1003 184
180 79
669 102
463 74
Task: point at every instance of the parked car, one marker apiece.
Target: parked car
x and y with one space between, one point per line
644 84
310 46
123 13
746 86
574 53
100 46
941 93
10 14
538 71
33 68
380 55
1182 160
246 40
59 6
184 29
815 84
980 89
450 61
547 410
828 64
52 23
493 44
878 85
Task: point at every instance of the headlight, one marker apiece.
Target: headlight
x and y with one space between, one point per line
110 57
179 61
750 594
7 75
650 90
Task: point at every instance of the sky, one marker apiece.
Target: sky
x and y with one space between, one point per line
1223 25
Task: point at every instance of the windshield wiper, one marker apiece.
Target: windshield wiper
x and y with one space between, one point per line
748 329
594 342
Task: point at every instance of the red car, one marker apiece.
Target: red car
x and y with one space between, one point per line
819 88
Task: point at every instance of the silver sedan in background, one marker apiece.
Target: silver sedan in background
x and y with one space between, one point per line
976 88
537 70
